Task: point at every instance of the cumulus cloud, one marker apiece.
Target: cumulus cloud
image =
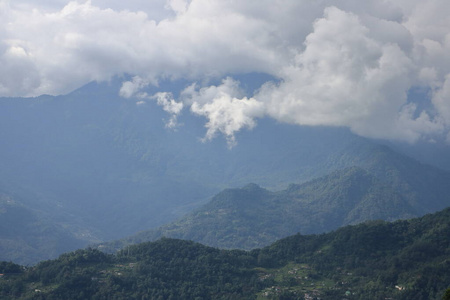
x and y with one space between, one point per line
83 42
133 88
339 63
346 77
169 105
441 100
225 112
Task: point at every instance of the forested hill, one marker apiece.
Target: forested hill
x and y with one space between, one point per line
387 186
407 259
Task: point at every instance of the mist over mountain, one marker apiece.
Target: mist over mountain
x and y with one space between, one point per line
104 167
30 235
232 123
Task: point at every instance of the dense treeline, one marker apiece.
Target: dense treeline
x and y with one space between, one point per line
412 256
166 269
375 260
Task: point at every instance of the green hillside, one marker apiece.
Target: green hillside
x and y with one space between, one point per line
388 186
407 259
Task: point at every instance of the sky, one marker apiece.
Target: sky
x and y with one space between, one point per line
378 67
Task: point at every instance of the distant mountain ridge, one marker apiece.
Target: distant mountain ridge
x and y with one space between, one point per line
91 153
387 186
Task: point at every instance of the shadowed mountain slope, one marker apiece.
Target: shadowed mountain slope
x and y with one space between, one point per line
387 186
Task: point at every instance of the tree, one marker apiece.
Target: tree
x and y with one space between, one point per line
446 295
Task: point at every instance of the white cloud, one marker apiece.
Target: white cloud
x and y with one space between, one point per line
344 77
340 63
82 42
169 105
133 88
225 113
155 9
178 6
441 100
204 95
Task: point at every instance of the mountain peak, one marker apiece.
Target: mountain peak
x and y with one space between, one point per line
252 187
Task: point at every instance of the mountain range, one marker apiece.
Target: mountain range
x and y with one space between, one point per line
386 186
91 166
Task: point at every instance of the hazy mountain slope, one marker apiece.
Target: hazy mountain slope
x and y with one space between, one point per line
388 186
28 235
375 260
93 149
92 153
110 166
